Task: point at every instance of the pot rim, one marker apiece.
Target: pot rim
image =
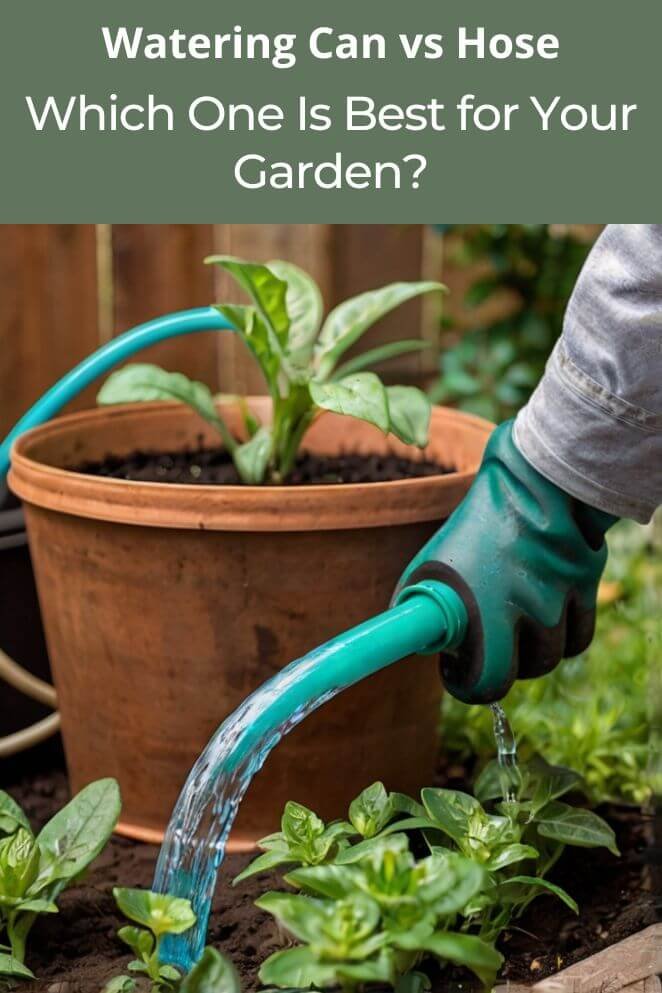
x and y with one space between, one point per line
234 508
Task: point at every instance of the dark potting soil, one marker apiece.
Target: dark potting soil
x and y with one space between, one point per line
77 951
213 466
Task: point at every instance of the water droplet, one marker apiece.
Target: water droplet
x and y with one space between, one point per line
509 773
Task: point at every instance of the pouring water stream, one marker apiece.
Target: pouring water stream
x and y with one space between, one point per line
194 844
430 618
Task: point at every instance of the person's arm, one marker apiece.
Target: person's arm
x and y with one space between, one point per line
525 549
594 424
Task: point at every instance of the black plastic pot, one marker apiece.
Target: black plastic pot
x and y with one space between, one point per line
21 632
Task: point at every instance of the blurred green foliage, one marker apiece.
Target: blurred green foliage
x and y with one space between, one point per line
492 370
599 714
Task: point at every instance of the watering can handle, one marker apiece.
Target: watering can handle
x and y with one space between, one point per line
73 383
100 362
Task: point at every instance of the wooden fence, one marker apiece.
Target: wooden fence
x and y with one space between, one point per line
65 289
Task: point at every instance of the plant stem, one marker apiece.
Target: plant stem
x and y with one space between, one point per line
17 932
225 433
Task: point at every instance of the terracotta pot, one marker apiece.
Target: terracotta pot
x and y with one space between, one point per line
165 605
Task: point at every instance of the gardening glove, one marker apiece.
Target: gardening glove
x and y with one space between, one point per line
526 559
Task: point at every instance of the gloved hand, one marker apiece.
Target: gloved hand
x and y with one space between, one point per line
526 559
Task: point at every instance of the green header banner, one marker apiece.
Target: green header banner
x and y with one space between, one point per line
361 111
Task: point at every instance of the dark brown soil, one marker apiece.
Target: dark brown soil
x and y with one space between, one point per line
213 466
77 951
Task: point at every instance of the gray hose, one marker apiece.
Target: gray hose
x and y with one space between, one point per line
36 689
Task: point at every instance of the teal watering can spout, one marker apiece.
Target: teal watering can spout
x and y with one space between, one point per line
426 617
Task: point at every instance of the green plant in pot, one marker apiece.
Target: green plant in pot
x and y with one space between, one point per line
299 356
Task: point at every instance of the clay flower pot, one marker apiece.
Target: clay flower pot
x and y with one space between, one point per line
165 605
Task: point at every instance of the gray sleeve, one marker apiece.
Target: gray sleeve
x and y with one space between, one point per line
594 423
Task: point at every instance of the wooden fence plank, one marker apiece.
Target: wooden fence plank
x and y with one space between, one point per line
48 309
158 268
366 256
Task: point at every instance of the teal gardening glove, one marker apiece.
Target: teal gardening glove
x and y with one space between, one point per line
526 559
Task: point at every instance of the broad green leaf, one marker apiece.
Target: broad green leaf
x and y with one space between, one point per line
450 810
11 815
213 973
510 854
160 912
304 307
141 382
76 834
255 336
548 782
266 290
409 413
575 826
448 880
347 322
139 966
170 973
403 804
331 881
296 968
488 785
263 863
120 984
409 824
382 353
301 827
460 949
252 458
19 864
303 916
375 970
10 966
138 939
362 396
38 907
543 884
371 810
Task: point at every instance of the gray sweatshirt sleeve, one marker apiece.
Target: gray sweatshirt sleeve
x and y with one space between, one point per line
594 423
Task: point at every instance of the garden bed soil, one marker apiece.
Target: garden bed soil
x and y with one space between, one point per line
77 951
213 466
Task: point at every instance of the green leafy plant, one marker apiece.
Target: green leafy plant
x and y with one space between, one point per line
304 839
35 870
593 712
298 356
492 369
366 909
374 920
158 915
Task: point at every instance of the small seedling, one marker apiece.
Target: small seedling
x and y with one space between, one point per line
158 915
298 356
35 870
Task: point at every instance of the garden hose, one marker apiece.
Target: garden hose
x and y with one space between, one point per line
26 683
104 359
23 681
20 741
